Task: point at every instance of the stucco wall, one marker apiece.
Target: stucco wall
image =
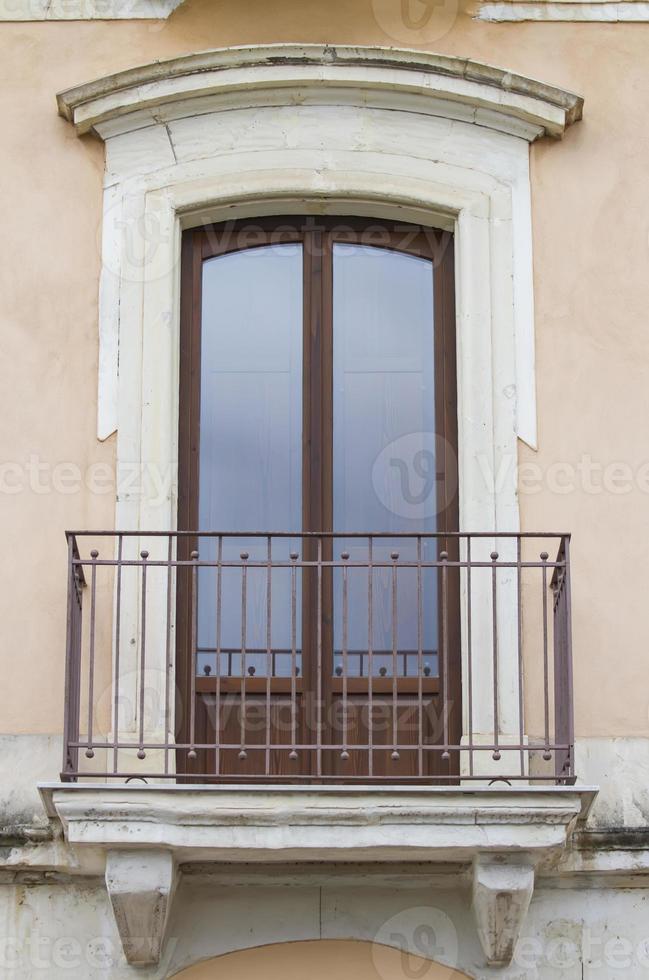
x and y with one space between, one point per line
67 933
592 291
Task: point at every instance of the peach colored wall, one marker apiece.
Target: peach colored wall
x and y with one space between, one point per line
592 294
319 961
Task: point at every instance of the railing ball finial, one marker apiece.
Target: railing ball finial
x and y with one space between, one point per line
293 756
90 754
194 555
344 755
294 555
494 556
395 756
443 555
446 755
144 554
547 755
141 754
243 755
544 556
496 756
192 754
94 554
394 555
344 555
244 556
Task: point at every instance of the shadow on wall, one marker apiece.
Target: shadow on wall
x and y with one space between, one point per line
320 960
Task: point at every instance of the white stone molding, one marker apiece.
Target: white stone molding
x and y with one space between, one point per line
21 10
578 11
146 831
492 97
275 823
141 885
502 892
246 132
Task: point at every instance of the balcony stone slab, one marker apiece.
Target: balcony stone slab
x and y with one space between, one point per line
258 823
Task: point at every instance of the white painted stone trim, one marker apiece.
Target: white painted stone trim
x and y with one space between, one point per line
258 824
579 11
21 10
496 96
288 128
141 886
502 892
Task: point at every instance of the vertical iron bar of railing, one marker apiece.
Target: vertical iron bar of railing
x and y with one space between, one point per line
94 554
445 705
519 649
143 555
217 707
193 642
420 667
395 665
293 753
547 755
269 651
370 657
469 650
565 544
319 691
344 755
494 621
168 658
72 674
116 674
243 755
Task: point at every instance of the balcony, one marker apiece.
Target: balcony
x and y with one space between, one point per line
281 698
316 658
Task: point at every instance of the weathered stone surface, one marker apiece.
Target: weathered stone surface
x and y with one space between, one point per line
502 891
140 886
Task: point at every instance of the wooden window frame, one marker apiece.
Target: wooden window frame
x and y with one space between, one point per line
317 235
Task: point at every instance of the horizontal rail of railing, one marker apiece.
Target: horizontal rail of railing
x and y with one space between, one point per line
319 657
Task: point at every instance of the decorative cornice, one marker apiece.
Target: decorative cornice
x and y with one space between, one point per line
438 84
22 10
574 11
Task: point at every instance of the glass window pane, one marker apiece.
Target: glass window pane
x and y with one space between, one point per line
385 446
250 438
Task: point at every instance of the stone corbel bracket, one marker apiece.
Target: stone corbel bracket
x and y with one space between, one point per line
502 891
435 84
141 885
147 832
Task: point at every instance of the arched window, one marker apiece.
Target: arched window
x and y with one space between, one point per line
318 409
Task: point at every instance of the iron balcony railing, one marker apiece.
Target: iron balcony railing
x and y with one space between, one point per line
307 657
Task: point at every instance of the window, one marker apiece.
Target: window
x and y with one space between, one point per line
317 409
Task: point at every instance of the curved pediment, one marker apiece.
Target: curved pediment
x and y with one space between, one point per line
432 84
